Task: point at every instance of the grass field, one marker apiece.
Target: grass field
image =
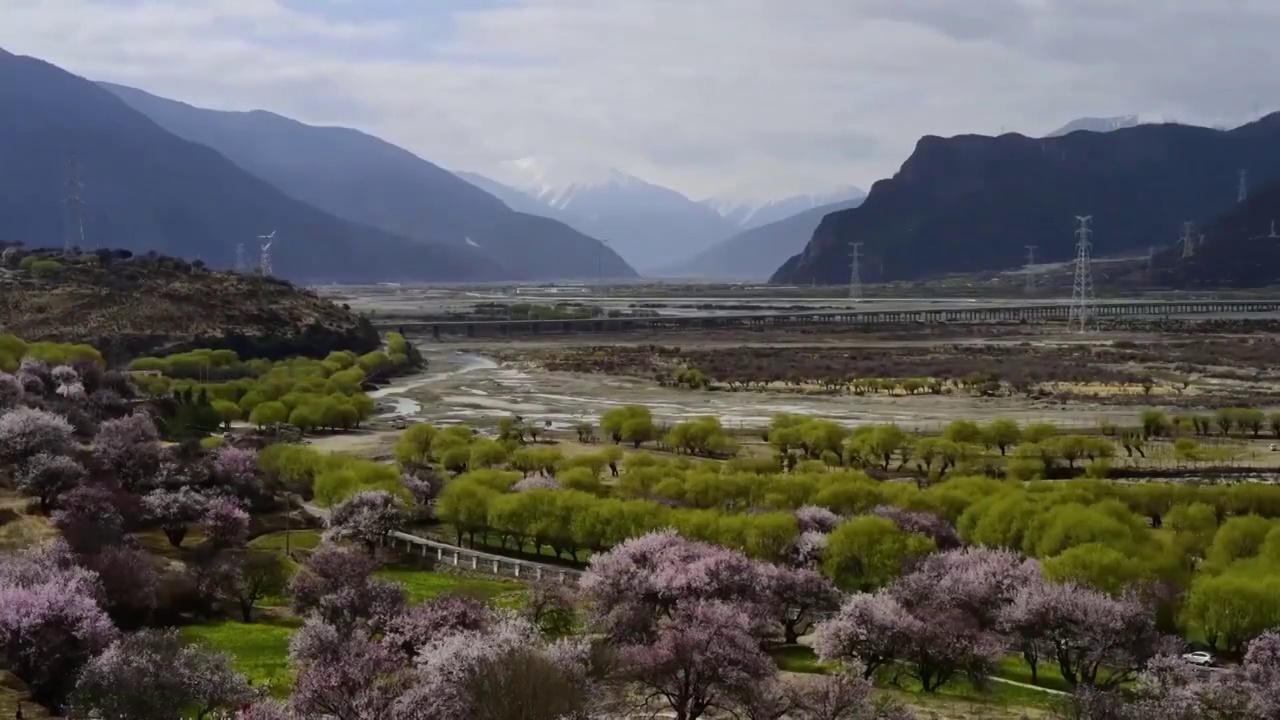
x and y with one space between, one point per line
259 650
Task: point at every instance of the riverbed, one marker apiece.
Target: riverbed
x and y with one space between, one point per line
464 387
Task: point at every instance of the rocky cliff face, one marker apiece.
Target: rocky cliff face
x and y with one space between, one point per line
972 203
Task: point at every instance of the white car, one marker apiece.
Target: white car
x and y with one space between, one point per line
1203 659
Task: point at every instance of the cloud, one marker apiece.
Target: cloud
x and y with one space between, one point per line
763 96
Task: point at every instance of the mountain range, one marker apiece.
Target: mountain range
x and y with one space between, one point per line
754 254
973 203
364 179
649 225
657 229
143 188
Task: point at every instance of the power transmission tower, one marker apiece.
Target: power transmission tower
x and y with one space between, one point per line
75 203
1188 243
855 276
264 263
242 262
1082 286
1031 261
1242 192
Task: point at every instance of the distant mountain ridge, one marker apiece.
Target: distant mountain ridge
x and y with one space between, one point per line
365 179
971 203
145 188
754 254
748 214
1106 124
647 224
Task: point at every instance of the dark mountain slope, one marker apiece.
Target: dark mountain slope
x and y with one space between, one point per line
1239 250
972 203
754 254
364 179
147 189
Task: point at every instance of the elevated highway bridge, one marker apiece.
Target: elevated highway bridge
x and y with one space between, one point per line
865 315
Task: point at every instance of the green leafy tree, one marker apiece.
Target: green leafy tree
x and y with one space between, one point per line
868 552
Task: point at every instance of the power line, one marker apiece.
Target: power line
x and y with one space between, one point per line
1082 286
1031 261
855 276
75 204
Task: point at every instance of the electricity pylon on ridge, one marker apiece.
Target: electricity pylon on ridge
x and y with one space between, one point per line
855 275
75 204
1242 192
1031 261
1082 285
1188 242
242 261
264 262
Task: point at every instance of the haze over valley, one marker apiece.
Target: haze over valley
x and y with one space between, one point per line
621 359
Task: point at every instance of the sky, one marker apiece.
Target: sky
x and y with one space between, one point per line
739 98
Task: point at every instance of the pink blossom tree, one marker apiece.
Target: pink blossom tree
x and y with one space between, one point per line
1096 639
927 524
46 476
129 582
811 518
50 621
175 511
225 523
796 596
237 469
648 577
806 551
337 584
27 432
130 448
11 391
871 629
700 658
367 518
153 675
536 482
344 674
978 582
88 519
444 615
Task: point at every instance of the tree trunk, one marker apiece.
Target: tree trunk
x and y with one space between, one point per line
175 535
246 611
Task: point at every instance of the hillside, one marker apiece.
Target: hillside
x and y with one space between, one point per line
1238 251
147 189
367 180
130 305
756 253
972 203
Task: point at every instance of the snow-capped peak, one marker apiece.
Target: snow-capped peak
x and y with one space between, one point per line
556 182
1108 124
751 212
